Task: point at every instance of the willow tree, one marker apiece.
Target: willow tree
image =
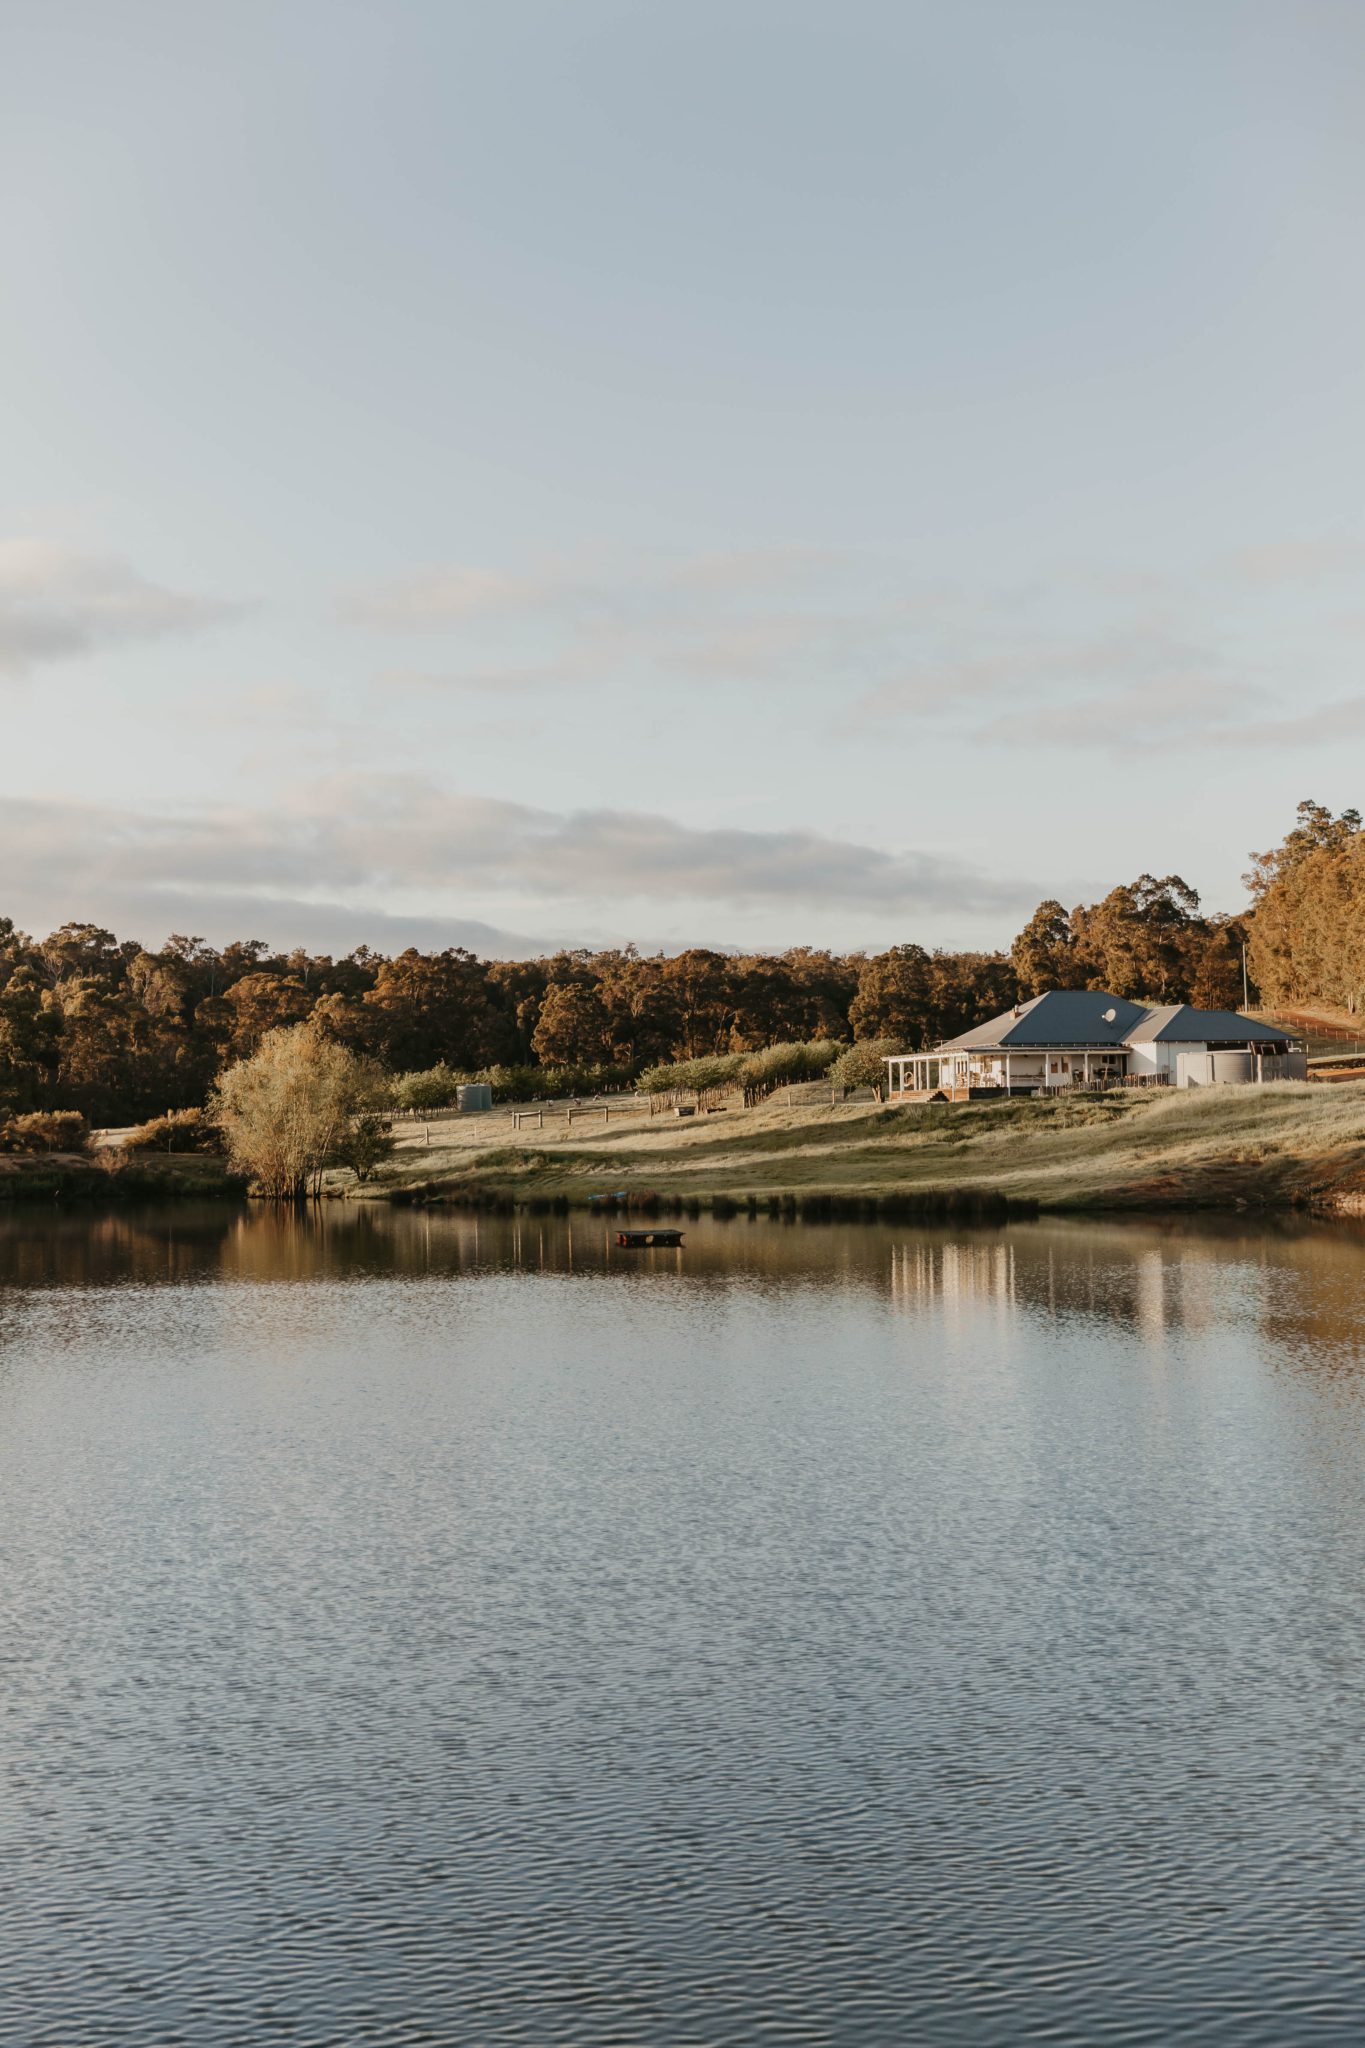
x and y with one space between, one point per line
293 1108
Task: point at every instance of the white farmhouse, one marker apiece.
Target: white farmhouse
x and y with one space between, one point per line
1072 1038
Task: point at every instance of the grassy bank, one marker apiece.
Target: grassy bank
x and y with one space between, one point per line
1281 1146
111 1176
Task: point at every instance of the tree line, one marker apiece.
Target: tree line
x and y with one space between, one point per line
1308 923
121 1033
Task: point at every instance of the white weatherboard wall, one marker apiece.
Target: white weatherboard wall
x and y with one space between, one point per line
1151 1058
1197 1067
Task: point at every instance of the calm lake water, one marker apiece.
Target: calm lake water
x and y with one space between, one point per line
422 1629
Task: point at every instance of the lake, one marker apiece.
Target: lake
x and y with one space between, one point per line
427 1628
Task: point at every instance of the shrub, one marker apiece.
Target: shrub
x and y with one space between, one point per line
45 1130
583 1080
704 1076
775 1065
525 1084
863 1065
180 1130
757 1073
366 1145
513 1084
430 1088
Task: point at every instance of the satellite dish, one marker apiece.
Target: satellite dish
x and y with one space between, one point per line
1110 1016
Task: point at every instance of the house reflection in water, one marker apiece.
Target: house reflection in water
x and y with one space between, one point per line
1300 1282
954 1271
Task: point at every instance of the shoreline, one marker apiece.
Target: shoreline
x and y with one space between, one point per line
1280 1148
86 1179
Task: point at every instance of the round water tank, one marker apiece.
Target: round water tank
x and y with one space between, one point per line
1234 1066
475 1095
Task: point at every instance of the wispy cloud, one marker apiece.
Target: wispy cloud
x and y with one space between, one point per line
517 678
1144 716
1139 690
443 596
1191 710
1113 660
56 603
778 617
1304 561
584 592
1341 719
403 842
1044 688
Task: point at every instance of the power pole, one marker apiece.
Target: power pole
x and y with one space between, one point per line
1246 999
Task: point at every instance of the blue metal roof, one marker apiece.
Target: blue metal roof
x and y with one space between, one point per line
1064 1016
1091 1018
1182 1024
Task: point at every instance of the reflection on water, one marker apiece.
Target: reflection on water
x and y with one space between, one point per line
1297 1280
421 1627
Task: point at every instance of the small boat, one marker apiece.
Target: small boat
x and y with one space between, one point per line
649 1239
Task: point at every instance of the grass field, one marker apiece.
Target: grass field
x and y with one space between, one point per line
1274 1146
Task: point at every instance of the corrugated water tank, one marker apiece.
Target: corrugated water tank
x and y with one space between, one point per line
475 1095
1234 1066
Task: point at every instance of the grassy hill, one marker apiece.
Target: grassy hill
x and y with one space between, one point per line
1281 1146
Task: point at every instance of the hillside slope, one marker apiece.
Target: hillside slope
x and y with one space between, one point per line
1284 1145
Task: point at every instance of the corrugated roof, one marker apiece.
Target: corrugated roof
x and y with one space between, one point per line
1064 1016
1091 1017
1181 1023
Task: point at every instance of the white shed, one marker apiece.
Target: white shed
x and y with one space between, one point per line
1193 1048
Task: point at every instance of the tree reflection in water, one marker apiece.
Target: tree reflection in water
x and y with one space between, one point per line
1298 1281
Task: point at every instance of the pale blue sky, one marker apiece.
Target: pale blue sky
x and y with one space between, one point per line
734 472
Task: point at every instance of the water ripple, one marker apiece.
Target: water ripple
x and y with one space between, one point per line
507 1655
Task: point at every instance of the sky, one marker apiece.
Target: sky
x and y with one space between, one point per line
742 472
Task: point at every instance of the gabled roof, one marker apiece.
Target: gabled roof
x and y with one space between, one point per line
1181 1023
1064 1016
1090 1017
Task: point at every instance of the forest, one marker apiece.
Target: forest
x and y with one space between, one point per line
104 1026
